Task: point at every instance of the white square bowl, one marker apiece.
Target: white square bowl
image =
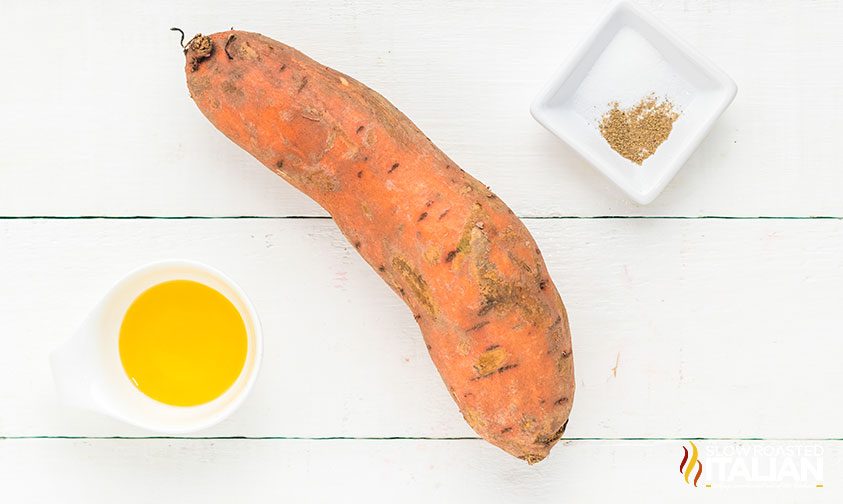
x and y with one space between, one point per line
627 57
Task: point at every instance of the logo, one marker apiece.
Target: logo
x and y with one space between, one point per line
752 464
686 468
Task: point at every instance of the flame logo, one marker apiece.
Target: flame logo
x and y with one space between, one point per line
687 466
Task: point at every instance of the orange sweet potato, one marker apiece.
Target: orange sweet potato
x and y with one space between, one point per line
466 266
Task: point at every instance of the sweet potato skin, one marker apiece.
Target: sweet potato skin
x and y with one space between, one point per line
493 321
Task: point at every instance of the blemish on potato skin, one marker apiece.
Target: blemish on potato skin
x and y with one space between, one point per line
463 347
369 139
198 85
320 179
416 283
311 114
228 43
506 368
477 326
431 255
490 361
473 419
231 88
546 440
563 360
531 458
528 424
246 51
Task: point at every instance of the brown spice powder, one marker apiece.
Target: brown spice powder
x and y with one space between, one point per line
635 133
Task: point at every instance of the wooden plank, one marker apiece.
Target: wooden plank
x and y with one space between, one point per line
719 328
97 120
225 471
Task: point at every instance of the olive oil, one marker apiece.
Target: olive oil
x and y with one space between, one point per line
183 343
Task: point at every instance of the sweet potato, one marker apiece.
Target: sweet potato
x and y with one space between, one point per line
466 266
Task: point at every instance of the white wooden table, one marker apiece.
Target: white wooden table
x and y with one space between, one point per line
713 313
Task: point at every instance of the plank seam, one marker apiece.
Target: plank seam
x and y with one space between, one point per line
325 217
405 438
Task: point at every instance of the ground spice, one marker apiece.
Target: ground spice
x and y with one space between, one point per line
635 133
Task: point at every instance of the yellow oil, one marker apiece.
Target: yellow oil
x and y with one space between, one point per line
183 343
